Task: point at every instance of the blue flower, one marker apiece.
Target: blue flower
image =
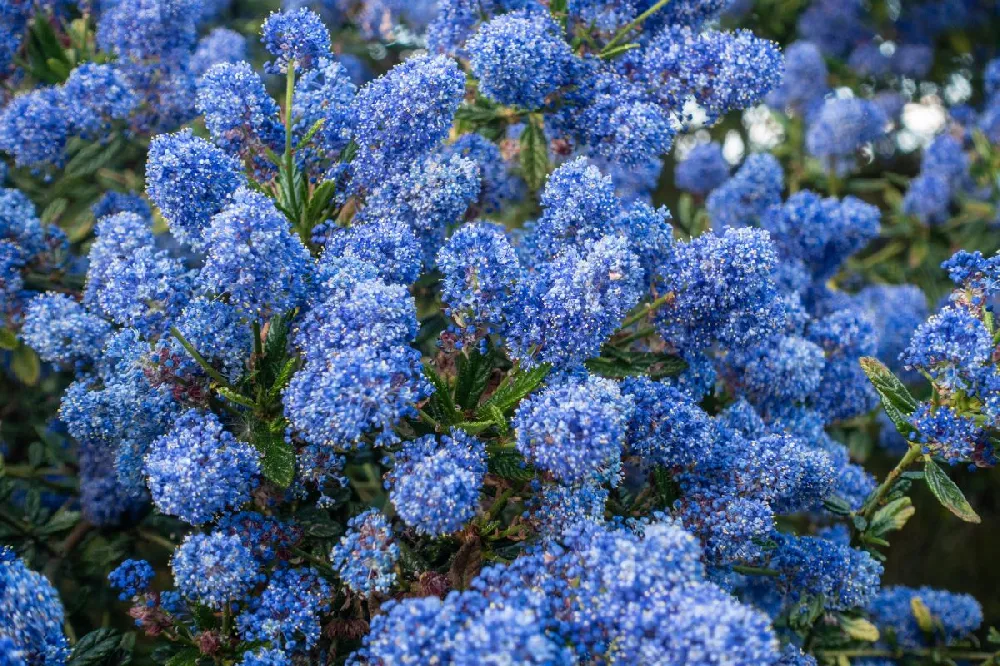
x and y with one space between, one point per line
667 427
954 616
743 199
222 45
804 83
31 615
62 331
199 470
254 260
297 36
190 180
366 556
132 577
434 484
520 59
288 612
215 569
575 430
404 114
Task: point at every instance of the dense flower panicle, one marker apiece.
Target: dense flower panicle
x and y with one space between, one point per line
404 114
132 578
144 29
789 368
117 237
190 180
240 115
355 392
431 196
481 273
287 613
842 126
575 302
743 199
575 430
702 170
297 36
214 569
98 94
435 483
390 245
723 291
954 615
848 578
520 58
945 433
366 556
265 657
666 427
144 290
199 470
62 331
217 331
823 233
34 128
675 65
31 616
928 198
222 45
556 505
254 259
952 345
976 275
804 83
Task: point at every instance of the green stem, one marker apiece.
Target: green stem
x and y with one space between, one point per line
499 504
647 309
429 420
209 370
153 537
632 25
755 571
289 152
872 503
320 563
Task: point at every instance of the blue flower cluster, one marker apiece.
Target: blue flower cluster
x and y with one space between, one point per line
31 616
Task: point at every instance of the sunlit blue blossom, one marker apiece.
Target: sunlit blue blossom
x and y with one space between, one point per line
702 170
214 569
297 36
287 613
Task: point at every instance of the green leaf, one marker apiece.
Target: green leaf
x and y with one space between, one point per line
473 376
8 339
922 614
61 521
510 465
186 657
859 629
896 399
204 617
235 397
891 517
619 364
534 153
515 386
96 648
441 402
278 458
25 364
948 493
319 206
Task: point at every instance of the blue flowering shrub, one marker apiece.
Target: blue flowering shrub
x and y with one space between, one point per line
441 366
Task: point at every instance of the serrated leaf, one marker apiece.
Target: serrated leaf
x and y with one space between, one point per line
204 617
319 202
95 647
896 399
510 465
441 402
859 629
515 386
473 376
25 365
534 153
235 397
950 496
277 462
620 364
